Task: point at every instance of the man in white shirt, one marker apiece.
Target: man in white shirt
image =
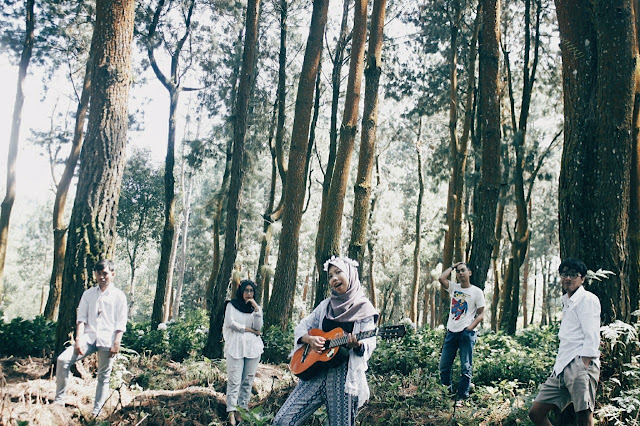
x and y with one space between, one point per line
577 368
467 310
101 321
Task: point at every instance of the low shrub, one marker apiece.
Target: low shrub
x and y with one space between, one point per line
21 337
180 339
498 357
417 349
619 389
278 344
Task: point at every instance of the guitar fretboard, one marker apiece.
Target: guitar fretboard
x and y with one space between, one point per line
340 341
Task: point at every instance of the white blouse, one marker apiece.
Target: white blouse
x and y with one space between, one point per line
238 343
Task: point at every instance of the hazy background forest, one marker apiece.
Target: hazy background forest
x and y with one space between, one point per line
413 115
458 130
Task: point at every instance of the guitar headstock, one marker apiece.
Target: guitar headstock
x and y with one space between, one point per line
392 331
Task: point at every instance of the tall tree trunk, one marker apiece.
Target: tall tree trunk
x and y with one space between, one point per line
593 218
267 222
217 203
486 194
495 253
169 292
372 282
453 246
335 202
454 24
186 210
535 291
453 235
495 297
545 318
62 191
525 284
172 84
92 226
213 348
634 195
168 231
277 158
520 242
371 242
362 190
7 203
285 280
337 60
413 315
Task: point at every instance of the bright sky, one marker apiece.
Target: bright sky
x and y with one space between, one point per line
33 177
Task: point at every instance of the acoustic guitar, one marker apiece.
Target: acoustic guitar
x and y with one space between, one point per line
306 362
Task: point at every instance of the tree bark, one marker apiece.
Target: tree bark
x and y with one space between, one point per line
371 242
520 241
62 191
277 161
535 291
14 138
213 348
186 210
453 235
486 194
172 84
92 225
337 59
330 242
634 192
218 202
285 279
593 218
413 315
362 189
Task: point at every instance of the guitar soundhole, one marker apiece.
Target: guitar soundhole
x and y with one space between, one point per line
331 352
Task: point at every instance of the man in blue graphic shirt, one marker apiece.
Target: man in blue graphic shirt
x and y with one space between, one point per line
467 310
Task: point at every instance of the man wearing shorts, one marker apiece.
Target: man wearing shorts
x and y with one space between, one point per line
577 369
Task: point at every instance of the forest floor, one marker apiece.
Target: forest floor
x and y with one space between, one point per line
27 389
186 394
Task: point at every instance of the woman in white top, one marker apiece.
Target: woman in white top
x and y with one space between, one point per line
243 346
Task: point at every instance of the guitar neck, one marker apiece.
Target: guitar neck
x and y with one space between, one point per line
341 341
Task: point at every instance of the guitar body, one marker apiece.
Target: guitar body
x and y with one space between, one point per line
306 363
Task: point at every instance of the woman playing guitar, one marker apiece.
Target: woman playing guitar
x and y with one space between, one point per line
342 386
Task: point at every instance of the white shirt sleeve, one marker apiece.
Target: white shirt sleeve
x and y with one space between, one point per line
83 308
257 319
590 322
307 323
121 312
230 321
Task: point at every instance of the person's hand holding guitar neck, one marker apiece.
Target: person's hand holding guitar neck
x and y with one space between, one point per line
317 342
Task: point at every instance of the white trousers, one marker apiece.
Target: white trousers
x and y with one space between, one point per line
69 357
240 375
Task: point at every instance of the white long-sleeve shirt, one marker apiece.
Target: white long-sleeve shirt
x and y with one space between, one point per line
580 328
104 313
237 342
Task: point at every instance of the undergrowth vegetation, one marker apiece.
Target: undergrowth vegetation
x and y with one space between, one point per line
403 373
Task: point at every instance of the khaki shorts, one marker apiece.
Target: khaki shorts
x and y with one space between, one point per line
576 384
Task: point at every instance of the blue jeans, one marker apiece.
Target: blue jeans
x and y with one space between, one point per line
464 341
